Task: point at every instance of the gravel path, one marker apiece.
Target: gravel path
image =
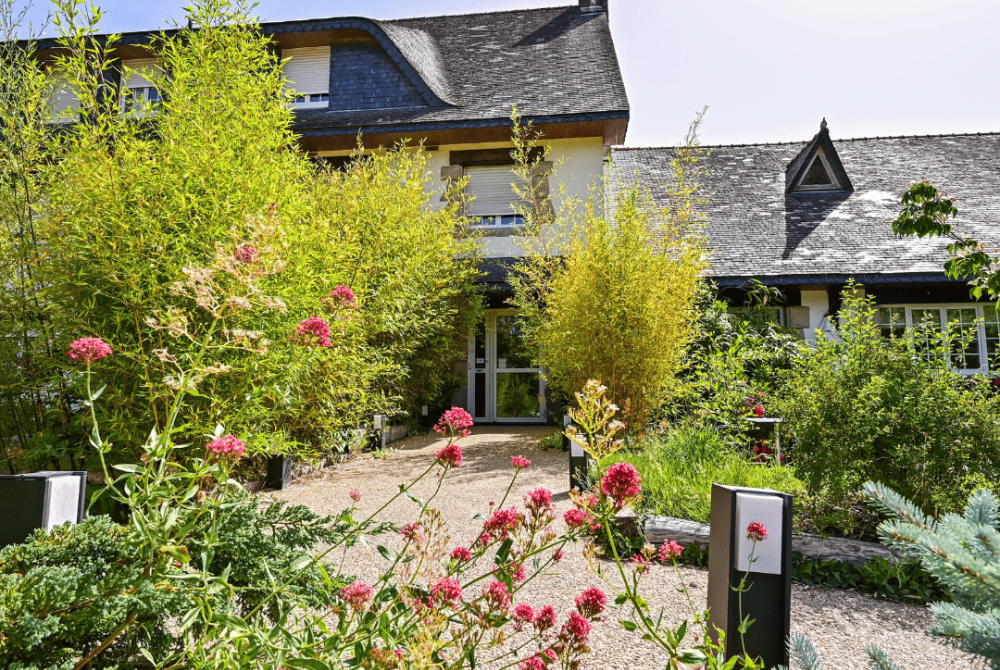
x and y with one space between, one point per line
840 623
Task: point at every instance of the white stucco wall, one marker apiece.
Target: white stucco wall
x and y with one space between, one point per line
818 303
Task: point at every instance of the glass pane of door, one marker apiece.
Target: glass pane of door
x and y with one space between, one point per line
511 349
479 362
927 331
518 395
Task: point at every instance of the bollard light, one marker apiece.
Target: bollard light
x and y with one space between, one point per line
578 462
378 424
39 500
767 590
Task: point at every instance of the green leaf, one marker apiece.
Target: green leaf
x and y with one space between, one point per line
307 664
627 625
386 553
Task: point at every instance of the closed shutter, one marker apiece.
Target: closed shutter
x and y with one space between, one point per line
308 70
64 101
146 67
493 190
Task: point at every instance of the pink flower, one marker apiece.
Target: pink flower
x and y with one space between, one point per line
447 592
591 602
523 614
558 555
358 595
538 499
412 532
758 411
313 332
545 619
497 595
455 421
670 550
229 445
534 663
246 254
450 456
577 627
621 482
354 495
575 518
461 554
520 462
341 296
640 563
88 349
502 522
757 532
517 573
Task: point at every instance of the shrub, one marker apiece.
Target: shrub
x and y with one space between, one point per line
613 298
862 407
679 466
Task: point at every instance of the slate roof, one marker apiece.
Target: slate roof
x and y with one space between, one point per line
755 229
553 62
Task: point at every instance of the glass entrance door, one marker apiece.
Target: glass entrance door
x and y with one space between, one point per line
504 386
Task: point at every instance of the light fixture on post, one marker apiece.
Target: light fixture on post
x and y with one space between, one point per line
578 462
39 500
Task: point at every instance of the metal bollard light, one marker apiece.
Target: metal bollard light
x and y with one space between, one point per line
578 462
767 594
39 500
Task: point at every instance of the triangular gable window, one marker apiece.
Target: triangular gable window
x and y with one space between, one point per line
819 176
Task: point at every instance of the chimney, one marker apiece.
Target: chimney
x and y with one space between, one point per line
593 6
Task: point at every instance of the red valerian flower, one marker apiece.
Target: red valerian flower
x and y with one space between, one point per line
450 456
447 592
558 555
575 518
496 595
640 563
758 411
577 627
313 332
412 532
229 445
358 595
621 483
88 349
533 663
461 554
246 254
354 495
502 522
519 462
546 618
341 296
756 531
455 421
591 602
538 499
669 550
517 573
523 614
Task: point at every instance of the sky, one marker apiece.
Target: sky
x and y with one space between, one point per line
767 70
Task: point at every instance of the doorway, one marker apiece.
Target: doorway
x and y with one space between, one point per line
504 385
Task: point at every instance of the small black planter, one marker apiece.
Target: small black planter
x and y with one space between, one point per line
279 472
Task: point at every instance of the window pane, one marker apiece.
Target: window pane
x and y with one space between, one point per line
991 323
892 321
512 352
965 331
517 395
927 331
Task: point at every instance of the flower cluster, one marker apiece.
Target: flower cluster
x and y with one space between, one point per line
446 592
456 421
501 523
537 662
450 456
497 596
358 595
88 349
229 445
670 550
591 602
461 554
755 404
342 297
538 500
246 254
354 495
313 332
575 518
519 462
756 531
413 532
621 483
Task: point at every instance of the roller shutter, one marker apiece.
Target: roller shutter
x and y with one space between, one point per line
146 67
493 190
64 101
308 70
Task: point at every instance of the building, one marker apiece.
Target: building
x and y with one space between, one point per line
807 217
448 82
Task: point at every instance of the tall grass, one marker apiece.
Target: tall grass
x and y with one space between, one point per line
679 467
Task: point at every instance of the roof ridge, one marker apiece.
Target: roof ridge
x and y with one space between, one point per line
846 139
502 11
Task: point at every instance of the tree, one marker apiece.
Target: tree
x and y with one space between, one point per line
608 292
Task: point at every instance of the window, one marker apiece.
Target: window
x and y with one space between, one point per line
307 72
493 190
819 176
139 94
974 328
64 101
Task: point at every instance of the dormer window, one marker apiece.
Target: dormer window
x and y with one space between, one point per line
307 72
818 176
140 96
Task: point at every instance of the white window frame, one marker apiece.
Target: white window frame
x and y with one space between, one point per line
942 307
314 94
832 186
